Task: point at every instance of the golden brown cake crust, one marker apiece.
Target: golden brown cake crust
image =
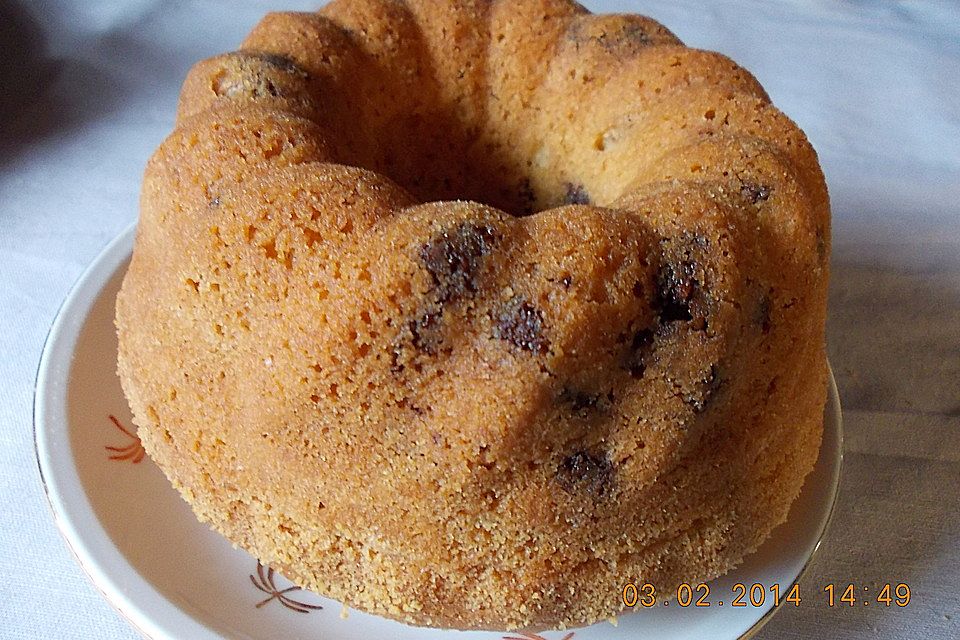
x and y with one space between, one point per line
459 414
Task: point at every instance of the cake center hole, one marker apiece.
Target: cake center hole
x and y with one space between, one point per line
436 157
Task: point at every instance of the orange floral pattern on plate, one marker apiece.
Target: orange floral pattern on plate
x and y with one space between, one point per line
265 581
133 451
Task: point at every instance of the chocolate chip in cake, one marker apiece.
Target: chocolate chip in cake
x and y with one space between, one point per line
521 324
567 281
282 63
527 199
755 193
396 352
580 402
426 331
576 194
610 37
639 349
635 33
453 259
256 75
676 285
703 390
763 313
584 472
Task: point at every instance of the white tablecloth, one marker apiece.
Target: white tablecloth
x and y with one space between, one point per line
88 89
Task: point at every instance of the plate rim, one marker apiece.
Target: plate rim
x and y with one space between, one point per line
65 331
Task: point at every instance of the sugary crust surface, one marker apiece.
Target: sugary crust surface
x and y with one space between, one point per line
459 414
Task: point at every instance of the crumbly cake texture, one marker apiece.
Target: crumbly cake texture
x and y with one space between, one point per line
480 415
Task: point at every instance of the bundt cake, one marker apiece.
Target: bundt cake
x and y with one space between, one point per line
467 312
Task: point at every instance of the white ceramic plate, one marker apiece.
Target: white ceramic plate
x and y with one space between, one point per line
171 577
